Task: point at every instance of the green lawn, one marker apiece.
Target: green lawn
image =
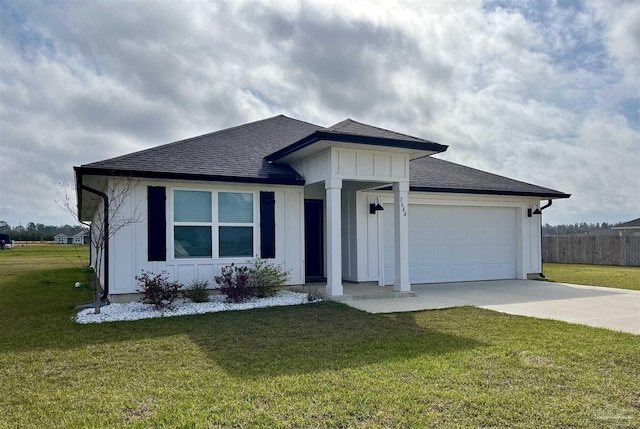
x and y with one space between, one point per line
594 275
318 365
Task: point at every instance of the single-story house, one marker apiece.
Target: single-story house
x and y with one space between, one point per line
628 228
62 239
346 203
81 238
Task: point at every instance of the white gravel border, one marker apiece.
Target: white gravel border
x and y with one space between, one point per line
137 310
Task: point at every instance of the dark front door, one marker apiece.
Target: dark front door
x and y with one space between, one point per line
314 243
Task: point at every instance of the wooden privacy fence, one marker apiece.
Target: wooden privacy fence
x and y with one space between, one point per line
595 250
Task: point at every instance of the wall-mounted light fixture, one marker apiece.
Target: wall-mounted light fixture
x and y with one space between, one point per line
531 211
375 207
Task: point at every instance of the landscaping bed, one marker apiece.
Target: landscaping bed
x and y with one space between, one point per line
183 307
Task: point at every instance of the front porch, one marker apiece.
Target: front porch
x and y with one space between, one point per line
343 185
343 232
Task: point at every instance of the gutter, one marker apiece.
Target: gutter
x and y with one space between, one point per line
273 179
105 199
540 194
541 209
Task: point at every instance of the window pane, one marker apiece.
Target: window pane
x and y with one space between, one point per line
192 241
236 241
235 207
191 206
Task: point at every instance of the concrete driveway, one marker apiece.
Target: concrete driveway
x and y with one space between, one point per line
616 309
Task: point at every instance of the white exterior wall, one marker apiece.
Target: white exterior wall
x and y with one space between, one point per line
128 248
369 165
315 168
354 164
349 232
369 249
370 231
93 251
533 225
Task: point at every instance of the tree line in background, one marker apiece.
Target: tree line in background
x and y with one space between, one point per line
576 228
37 231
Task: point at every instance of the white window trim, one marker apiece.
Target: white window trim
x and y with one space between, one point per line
173 223
214 225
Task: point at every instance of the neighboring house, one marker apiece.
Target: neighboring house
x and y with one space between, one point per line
628 228
80 238
62 239
351 202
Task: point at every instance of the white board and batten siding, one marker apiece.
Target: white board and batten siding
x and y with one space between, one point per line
131 242
354 164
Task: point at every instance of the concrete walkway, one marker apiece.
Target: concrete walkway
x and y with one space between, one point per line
616 309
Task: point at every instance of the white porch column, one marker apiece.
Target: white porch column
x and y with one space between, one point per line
333 204
401 236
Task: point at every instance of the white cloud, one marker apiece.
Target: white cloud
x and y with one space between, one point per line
622 35
542 93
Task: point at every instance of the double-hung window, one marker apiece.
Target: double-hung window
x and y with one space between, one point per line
235 224
193 223
202 231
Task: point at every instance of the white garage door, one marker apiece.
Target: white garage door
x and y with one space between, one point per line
454 243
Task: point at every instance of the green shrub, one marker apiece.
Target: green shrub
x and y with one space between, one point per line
265 278
157 289
197 291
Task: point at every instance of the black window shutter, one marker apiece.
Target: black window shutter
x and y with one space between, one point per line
157 223
267 225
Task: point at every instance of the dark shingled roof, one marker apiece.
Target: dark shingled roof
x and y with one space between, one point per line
238 155
349 126
233 154
437 175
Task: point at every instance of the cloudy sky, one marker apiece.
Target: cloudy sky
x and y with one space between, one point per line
547 92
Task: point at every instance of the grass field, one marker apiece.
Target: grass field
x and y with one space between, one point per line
317 365
594 275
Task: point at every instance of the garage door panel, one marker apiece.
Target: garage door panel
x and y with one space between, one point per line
454 243
424 271
441 273
503 253
423 236
440 235
420 253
